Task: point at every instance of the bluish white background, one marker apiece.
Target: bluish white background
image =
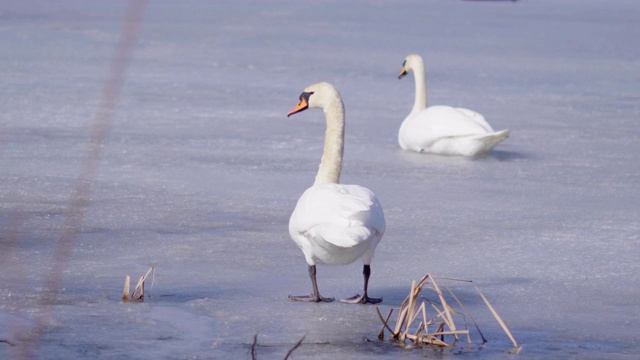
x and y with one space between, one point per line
202 170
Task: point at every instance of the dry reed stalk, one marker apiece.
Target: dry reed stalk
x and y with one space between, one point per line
498 318
384 324
484 340
255 343
127 285
447 309
443 318
253 347
401 319
138 291
297 345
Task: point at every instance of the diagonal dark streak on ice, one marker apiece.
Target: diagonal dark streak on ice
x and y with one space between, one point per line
79 201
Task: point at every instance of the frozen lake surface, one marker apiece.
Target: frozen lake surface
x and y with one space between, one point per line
201 169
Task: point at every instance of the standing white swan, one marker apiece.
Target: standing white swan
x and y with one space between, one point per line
443 129
333 223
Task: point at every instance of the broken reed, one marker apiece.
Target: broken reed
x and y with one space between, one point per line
138 291
255 343
440 329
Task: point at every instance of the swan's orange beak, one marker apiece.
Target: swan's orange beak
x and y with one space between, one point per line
403 73
303 105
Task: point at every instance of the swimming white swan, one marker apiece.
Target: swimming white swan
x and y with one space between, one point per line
443 129
333 223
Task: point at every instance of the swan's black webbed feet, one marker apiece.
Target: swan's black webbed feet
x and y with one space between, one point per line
361 299
311 298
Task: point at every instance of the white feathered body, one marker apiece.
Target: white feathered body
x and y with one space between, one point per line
337 224
443 129
449 131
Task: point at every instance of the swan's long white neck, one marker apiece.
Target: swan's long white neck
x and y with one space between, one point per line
419 75
331 162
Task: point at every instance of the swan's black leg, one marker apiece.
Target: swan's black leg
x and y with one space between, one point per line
315 297
363 299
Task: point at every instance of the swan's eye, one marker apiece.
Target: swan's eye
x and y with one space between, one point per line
305 96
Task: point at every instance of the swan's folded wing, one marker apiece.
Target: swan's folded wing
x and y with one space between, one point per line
476 118
422 131
343 215
449 121
340 236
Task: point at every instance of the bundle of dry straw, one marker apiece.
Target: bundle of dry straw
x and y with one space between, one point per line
138 291
438 330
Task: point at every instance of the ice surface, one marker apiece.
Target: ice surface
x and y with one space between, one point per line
202 169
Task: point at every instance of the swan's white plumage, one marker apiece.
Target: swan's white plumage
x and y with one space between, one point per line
443 129
334 223
337 224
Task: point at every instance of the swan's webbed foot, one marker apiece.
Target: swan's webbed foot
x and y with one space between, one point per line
361 299
315 297
311 298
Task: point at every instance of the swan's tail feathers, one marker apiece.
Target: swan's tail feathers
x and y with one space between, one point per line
486 143
502 134
476 145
